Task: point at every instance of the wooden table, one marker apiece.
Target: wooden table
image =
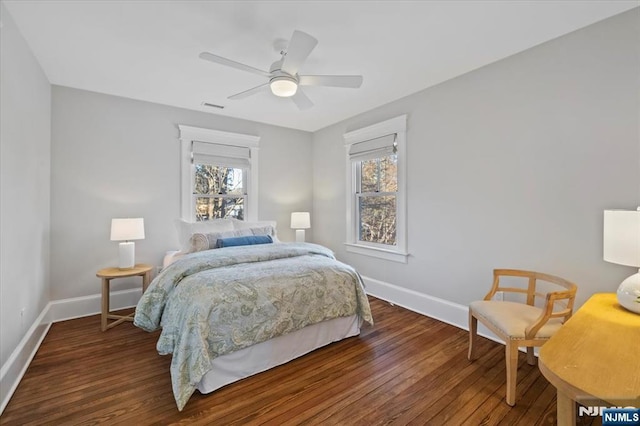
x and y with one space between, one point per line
107 274
594 358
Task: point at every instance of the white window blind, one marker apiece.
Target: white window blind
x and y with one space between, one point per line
373 148
214 154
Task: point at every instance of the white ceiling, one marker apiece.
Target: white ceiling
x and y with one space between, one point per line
148 50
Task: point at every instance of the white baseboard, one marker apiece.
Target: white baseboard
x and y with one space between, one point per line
14 368
433 307
84 306
58 310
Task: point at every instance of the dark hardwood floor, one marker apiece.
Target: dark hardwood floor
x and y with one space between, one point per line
407 369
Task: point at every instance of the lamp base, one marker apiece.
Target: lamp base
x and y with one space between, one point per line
629 293
299 235
126 255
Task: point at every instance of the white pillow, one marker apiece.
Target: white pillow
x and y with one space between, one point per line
242 224
187 229
209 240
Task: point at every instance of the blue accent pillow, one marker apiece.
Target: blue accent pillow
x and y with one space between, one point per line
244 241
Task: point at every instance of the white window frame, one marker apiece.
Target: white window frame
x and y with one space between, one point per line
397 253
188 135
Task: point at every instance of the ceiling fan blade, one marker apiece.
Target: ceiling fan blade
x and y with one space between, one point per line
299 48
249 92
233 64
301 100
353 81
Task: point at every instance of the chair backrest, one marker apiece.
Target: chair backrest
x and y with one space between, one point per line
565 297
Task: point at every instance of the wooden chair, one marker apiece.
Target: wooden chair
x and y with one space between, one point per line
520 324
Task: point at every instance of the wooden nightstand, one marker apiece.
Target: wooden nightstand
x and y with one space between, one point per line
107 274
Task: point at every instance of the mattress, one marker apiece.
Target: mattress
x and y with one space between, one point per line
254 359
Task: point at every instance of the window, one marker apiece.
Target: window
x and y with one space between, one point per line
376 224
376 199
219 175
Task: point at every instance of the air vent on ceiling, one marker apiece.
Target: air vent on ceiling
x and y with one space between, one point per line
210 105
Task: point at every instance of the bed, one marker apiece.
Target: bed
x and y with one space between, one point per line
231 312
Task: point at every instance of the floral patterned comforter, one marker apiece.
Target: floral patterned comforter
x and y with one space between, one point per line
214 302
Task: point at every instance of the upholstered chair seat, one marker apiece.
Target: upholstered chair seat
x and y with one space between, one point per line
513 318
521 324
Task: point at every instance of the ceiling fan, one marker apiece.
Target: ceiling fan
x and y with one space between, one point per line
284 80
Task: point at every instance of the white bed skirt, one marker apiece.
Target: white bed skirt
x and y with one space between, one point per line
246 362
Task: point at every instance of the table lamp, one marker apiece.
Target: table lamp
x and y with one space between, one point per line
300 221
126 230
622 246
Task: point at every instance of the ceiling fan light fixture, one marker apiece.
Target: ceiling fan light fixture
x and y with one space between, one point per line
283 86
283 78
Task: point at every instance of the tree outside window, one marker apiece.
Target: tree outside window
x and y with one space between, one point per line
376 199
219 192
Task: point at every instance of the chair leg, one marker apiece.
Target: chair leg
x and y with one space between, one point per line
473 336
531 358
511 355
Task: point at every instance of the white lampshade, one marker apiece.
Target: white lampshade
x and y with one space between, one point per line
283 86
622 246
300 220
127 229
622 237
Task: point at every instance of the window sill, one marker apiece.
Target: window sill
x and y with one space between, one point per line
380 253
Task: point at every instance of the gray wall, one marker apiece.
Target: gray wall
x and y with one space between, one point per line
510 165
117 157
25 141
